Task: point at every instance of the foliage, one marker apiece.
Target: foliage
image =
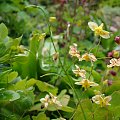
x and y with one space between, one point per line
38 77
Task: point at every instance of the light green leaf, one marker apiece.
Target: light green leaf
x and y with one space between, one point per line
9 95
64 100
40 116
87 108
67 109
30 82
43 86
12 76
20 85
3 31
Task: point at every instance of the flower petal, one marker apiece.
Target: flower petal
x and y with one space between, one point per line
105 34
92 25
108 98
42 100
93 84
101 26
46 105
78 83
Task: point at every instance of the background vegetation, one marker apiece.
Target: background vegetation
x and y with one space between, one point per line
31 67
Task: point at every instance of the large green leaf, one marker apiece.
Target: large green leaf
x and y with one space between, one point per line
12 76
114 87
87 108
102 114
8 115
24 84
43 86
40 116
3 31
7 77
9 95
25 102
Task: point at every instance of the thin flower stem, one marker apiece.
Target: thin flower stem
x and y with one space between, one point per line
95 54
98 45
91 70
71 84
57 110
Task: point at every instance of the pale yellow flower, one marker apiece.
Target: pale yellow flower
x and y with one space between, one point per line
86 83
54 100
52 19
73 51
50 99
99 30
88 57
79 72
45 100
102 100
114 62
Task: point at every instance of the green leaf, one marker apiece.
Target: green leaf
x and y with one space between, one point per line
102 114
40 116
2 49
87 108
20 85
8 115
12 76
67 109
64 100
25 102
21 59
24 84
62 93
3 31
114 87
36 107
43 86
9 95
30 82
26 118
115 102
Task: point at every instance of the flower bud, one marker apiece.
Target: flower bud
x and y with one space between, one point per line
117 39
113 73
42 36
115 53
52 19
110 82
55 56
110 54
105 82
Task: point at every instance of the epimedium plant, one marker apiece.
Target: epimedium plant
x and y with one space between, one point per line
31 88
16 86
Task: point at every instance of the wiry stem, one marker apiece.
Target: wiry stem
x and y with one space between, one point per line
71 84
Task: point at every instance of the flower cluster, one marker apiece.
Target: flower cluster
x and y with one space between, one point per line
80 72
50 99
75 53
86 83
